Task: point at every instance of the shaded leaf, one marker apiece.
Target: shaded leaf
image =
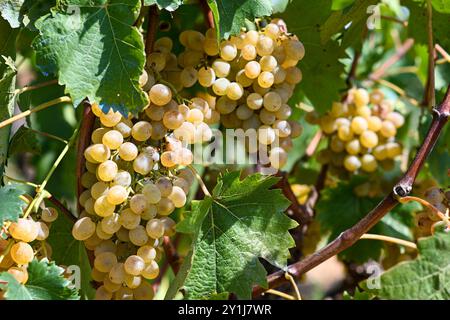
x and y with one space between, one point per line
7 87
321 68
169 5
68 251
24 140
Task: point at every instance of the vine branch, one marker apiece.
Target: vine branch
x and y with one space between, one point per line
404 48
152 26
63 208
429 99
353 234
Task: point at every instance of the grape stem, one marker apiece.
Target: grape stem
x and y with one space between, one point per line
280 294
36 86
200 181
353 234
33 110
20 181
48 135
369 236
294 285
63 208
40 194
425 203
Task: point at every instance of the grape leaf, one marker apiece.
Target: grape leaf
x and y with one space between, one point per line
339 208
10 10
425 278
279 5
24 12
169 5
10 203
417 24
241 222
7 87
322 70
339 19
45 282
70 252
230 15
438 5
95 51
24 140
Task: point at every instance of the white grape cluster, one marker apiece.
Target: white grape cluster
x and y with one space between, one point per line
361 132
25 240
132 184
427 218
249 80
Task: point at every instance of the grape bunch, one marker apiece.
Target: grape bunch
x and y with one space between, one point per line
247 80
427 218
361 132
24 240
133 182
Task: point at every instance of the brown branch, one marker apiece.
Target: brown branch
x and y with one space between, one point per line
209 18
152 26
171 255
301 213
404 48
429 98
350 236
394 19
84 139
63 208
352 73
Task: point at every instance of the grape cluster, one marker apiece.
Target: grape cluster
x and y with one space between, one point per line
25 240
248 78
427 218
132 183
361 132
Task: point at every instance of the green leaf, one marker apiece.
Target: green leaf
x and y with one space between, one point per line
67 251
322 70
357 295
339 19
425 278
242 222
24 12
24 140
339 209
95 51
10 10
169 5
10 203
279 6
230 15
7 87
438 5
45 282
417 24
